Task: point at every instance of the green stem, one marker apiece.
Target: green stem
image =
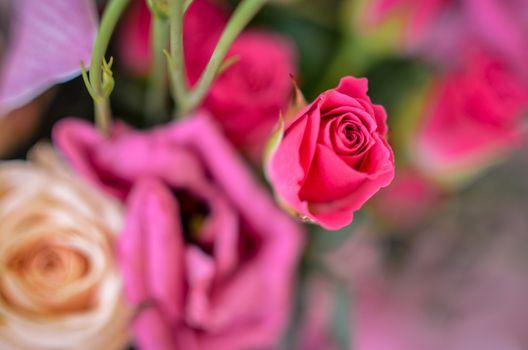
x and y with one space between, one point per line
239 20
109 20
102 115
178 78
155 105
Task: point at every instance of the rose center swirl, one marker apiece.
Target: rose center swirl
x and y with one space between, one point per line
49 266
347 135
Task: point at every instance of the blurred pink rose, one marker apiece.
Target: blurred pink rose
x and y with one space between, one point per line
248 98
204 23
419 14
203 26
44 46
445 28
476 114
501 26
207 258
133 41
333 156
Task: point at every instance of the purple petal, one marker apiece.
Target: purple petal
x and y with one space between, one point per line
47 43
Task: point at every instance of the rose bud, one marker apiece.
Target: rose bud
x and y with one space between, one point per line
208 260
247 98
332 156
475 116
59 285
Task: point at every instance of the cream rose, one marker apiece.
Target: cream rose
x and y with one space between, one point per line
59 285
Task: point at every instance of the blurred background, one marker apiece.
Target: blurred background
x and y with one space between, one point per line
438 260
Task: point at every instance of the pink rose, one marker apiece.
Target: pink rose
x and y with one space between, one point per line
420 15
203 26
207 258
476 114
333 156
444 29
501 26
133 41
249 96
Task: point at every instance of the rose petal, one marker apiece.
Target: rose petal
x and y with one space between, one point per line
381 119
223 227
165 163
353 87
153 233
255 282
200 274
335 190
152 331
131 254
77 140
330 178
288 163
164 235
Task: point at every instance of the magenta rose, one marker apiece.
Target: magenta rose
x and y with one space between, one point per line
420 15
475 115
249 96
207 259
133 40
333 156
203 26
246 98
